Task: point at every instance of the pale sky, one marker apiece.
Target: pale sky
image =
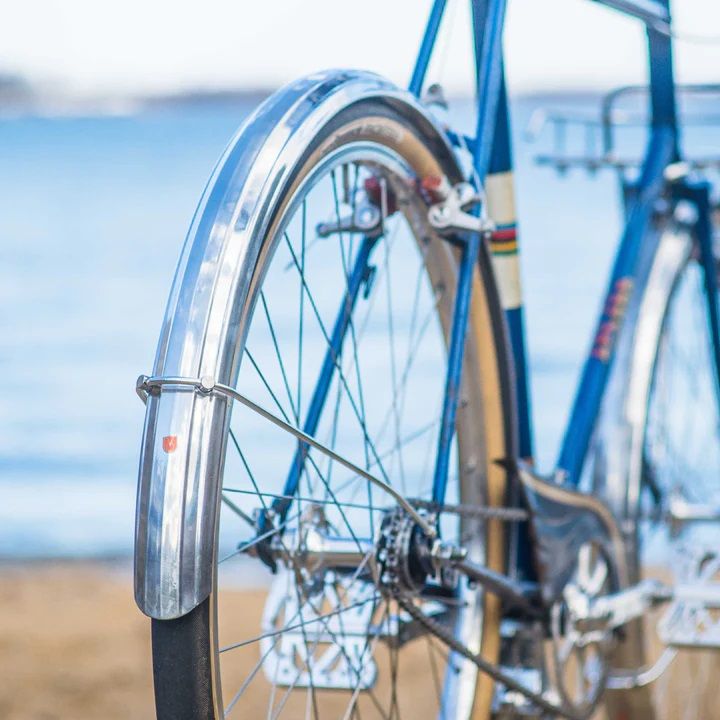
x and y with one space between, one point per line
140 46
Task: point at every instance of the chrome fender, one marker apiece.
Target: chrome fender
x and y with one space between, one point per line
205 324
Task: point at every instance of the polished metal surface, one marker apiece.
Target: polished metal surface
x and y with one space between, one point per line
673 251
631 679
622 424
693 618
451 215
581 641
616 609
207 386
205 324
312 550
591 142
366 219
681 511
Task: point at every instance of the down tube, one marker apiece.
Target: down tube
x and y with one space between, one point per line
590 392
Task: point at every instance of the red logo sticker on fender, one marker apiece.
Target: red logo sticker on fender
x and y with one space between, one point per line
170 443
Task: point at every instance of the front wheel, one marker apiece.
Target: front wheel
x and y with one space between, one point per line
661 446
338 323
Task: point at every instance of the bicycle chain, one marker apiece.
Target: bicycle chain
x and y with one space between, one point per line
391 554
391 577
479 511
406 603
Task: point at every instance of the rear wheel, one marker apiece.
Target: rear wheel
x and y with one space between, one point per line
317 641
667 427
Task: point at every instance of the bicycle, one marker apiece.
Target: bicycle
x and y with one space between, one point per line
350 282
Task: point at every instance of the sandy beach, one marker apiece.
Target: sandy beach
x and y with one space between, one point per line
73 646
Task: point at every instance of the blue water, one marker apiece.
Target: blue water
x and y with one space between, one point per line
93 212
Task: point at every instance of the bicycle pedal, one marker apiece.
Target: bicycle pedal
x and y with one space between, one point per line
321 649
693 619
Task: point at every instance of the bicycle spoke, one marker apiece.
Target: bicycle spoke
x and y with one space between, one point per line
378 360
301 308
278 355
301 498
237 510
391 349
259 538
264 381
353 338
369 645
338 368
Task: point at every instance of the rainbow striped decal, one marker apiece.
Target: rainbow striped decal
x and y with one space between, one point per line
503 244
504 240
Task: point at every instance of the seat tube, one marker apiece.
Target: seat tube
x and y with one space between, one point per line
500 191
505 253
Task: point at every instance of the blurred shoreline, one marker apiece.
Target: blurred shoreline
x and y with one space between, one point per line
95 210
22 98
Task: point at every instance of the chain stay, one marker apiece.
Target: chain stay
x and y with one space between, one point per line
499 675
478 511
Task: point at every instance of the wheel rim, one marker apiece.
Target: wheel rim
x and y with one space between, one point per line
681 459
410 310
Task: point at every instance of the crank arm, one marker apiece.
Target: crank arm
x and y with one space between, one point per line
612 611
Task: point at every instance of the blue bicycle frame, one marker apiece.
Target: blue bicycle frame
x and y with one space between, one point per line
492 156
492 159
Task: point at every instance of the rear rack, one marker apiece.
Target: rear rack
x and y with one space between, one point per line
598 138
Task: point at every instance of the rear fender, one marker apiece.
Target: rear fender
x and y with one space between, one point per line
205 325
